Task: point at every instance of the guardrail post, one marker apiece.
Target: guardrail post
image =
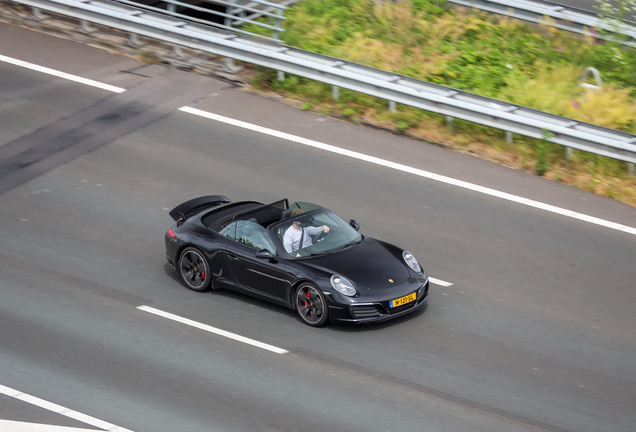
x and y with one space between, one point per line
229 10
335 93
280 75
630 168
229 66
133 40
392 107
568 153
177 52
37 15
509 136
279 13
85 27
449 122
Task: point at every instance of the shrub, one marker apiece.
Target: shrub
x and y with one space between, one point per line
348 112
401 126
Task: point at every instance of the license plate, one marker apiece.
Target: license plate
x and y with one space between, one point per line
403 300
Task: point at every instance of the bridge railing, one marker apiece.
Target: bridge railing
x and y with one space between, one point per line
225 14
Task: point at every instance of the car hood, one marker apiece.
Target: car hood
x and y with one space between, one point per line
368 263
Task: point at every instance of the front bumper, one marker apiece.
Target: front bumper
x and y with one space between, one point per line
377 311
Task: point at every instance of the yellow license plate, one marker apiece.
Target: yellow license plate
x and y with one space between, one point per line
403 300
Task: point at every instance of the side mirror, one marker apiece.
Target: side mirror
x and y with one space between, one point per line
354 224
265 254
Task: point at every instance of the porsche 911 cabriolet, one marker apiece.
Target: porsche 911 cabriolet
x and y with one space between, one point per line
301 256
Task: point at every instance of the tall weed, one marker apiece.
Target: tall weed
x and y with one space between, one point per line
609 107
545 88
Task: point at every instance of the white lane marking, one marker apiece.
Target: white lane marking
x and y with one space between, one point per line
349 153
439 282
61 410
213 330
60 74
410 170
15 426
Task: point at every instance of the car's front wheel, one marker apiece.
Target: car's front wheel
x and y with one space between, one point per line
194 269
311 305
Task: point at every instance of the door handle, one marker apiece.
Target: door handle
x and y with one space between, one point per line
232 257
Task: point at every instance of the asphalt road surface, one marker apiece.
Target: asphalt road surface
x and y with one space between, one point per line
536 333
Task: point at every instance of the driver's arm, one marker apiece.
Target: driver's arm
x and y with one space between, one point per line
315 230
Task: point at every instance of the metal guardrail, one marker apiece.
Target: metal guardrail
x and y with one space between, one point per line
386 85
237 12
560 16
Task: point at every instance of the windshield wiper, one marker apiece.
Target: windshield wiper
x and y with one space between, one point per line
313 254
346 245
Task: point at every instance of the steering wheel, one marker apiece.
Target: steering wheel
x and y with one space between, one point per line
321 236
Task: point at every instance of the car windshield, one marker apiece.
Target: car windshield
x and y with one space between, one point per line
315 239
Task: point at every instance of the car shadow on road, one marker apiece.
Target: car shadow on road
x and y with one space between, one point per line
172 273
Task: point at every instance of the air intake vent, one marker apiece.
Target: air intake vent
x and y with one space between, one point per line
364 311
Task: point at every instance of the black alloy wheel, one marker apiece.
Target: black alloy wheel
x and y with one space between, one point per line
194 270
311 305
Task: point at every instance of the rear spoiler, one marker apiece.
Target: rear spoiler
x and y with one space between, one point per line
196 205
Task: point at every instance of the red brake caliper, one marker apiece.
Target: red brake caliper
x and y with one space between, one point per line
306 295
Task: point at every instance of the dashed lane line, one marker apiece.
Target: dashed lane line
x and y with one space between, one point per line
61 74
439 282
214 330
16 426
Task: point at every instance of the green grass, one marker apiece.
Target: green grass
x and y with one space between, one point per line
537 67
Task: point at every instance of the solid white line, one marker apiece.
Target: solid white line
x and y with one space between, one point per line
411 170
61 410
348 153
213 330
16 426
60 74
439 282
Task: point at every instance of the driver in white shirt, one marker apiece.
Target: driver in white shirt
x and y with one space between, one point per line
293 235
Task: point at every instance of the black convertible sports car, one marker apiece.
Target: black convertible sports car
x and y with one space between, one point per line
302 256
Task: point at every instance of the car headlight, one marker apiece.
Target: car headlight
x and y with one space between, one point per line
342 285
411 261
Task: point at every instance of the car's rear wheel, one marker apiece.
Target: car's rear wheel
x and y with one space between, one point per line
194 269
311 305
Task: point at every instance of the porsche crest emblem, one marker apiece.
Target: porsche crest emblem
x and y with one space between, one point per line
391 280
